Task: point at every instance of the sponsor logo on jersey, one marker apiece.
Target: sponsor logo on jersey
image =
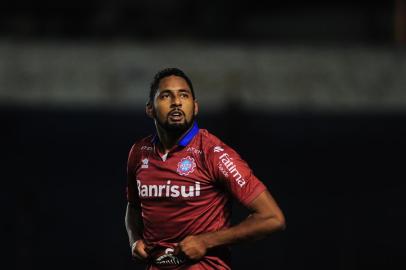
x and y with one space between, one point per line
218 149
186 166
168 258
228 163
145 163
194 150
168 190
148 148
222 169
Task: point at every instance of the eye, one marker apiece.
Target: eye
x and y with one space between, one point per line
164 96
184 95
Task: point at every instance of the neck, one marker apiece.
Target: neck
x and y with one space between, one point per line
169 139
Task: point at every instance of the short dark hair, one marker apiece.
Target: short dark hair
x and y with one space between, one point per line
166 73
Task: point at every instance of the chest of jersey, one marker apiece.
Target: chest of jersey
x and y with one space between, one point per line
182 176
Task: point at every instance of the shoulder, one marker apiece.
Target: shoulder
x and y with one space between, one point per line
212 145
208 140
142 145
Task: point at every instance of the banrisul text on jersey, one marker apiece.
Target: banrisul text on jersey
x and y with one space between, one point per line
168 190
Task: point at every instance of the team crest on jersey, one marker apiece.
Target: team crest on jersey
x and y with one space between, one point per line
144 163
186 165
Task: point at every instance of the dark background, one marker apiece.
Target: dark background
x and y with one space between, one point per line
256 21
337 175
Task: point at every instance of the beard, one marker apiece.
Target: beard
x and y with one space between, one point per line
176 128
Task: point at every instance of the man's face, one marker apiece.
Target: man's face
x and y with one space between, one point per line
174 108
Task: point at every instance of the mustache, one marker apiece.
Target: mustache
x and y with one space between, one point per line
176 110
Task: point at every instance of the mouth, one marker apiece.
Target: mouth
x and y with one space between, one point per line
176 115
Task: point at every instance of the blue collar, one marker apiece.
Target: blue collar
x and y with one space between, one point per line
189 136
186 138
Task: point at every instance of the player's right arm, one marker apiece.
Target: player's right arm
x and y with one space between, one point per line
133 216
134 226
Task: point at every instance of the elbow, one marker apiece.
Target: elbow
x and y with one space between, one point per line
277 223
281 223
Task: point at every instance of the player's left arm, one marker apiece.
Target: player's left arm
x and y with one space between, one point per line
266 218
235 175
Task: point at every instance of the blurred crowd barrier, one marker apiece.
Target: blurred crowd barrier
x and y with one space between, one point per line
261 77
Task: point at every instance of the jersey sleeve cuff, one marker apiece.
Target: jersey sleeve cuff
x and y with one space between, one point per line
257 191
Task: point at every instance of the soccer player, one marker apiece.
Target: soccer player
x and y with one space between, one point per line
181 182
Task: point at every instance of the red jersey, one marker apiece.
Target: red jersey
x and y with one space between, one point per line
188 192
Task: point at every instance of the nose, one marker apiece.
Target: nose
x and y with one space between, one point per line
176 101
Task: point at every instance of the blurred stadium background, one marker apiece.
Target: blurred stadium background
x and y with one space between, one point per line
311 93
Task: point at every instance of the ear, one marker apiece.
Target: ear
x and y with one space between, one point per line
149 110
196 106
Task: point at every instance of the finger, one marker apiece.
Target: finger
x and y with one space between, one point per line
148 249
176 249
139 252
139 257
142 253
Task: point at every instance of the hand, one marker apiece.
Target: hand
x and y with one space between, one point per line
193 247
139 250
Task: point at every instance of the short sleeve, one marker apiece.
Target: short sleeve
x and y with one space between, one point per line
229 168
131 189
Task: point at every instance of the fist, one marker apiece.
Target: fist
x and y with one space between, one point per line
139 250
192 247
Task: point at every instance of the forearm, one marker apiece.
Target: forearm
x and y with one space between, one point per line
266 218
133 224
255 227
